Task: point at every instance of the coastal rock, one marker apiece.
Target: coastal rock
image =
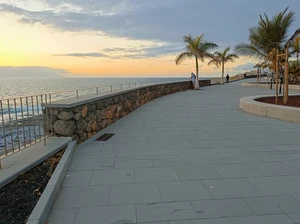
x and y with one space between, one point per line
81 125
92 107
109 114
77 116
64 128
65 115
91 126
54 112
84 111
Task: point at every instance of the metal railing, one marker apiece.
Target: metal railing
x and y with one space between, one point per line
104 89
22 123
26 120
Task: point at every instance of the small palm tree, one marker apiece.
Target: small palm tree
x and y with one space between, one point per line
296 47
221 58
198 49
294 70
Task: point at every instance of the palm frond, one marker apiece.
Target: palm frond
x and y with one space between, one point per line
215 62
249 50
182 57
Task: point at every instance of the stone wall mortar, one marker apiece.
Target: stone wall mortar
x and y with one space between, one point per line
84 121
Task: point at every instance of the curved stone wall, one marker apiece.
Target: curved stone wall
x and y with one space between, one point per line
82 118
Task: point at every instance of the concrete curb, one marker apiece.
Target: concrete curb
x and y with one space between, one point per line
29 166
263 85
285 113
44 206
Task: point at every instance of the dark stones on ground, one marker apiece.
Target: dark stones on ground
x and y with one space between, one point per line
294 101
19 197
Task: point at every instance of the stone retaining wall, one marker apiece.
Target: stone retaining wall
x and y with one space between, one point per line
85 120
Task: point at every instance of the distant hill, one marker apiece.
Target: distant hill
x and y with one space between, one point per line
31 71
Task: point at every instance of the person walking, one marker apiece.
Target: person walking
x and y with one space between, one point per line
227 78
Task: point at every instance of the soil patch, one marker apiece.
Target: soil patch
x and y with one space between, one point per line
19 197
294 101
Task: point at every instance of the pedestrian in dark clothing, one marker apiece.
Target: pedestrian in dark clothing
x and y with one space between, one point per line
227 78
245 76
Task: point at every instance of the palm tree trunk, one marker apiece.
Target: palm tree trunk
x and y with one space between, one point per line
297 56
222 81
196 86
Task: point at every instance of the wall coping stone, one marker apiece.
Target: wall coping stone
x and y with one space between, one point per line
73 102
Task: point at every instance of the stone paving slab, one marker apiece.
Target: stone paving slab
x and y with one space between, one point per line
231 188
272 219
78 197
155 174
134 193
221 208
184 191
187 158
273 205
165 211
205 221
112 214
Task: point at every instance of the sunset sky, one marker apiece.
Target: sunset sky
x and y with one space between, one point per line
125 37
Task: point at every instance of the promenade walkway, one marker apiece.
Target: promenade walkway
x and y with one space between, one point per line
188 158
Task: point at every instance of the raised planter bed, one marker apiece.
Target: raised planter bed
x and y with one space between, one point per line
251 104
30 197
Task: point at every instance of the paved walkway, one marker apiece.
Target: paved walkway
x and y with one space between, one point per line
188 158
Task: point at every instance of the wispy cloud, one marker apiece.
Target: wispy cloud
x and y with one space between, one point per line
244 67
83 55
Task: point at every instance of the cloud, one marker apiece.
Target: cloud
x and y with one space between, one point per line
83 55
32 71
244 67
164 21
145 52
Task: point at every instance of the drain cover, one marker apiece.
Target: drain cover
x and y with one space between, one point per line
105 137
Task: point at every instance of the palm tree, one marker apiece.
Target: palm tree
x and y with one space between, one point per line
221 58
198 49
296 47
269 35
294 70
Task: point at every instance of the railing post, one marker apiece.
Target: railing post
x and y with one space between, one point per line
129 85
38 113
28 121
111 88
33 118
44 119
23 128
17 126
11 135
121 86
77 94
3 126
97 90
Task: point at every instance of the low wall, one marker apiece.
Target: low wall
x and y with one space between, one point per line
285 113
264 85
83 118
